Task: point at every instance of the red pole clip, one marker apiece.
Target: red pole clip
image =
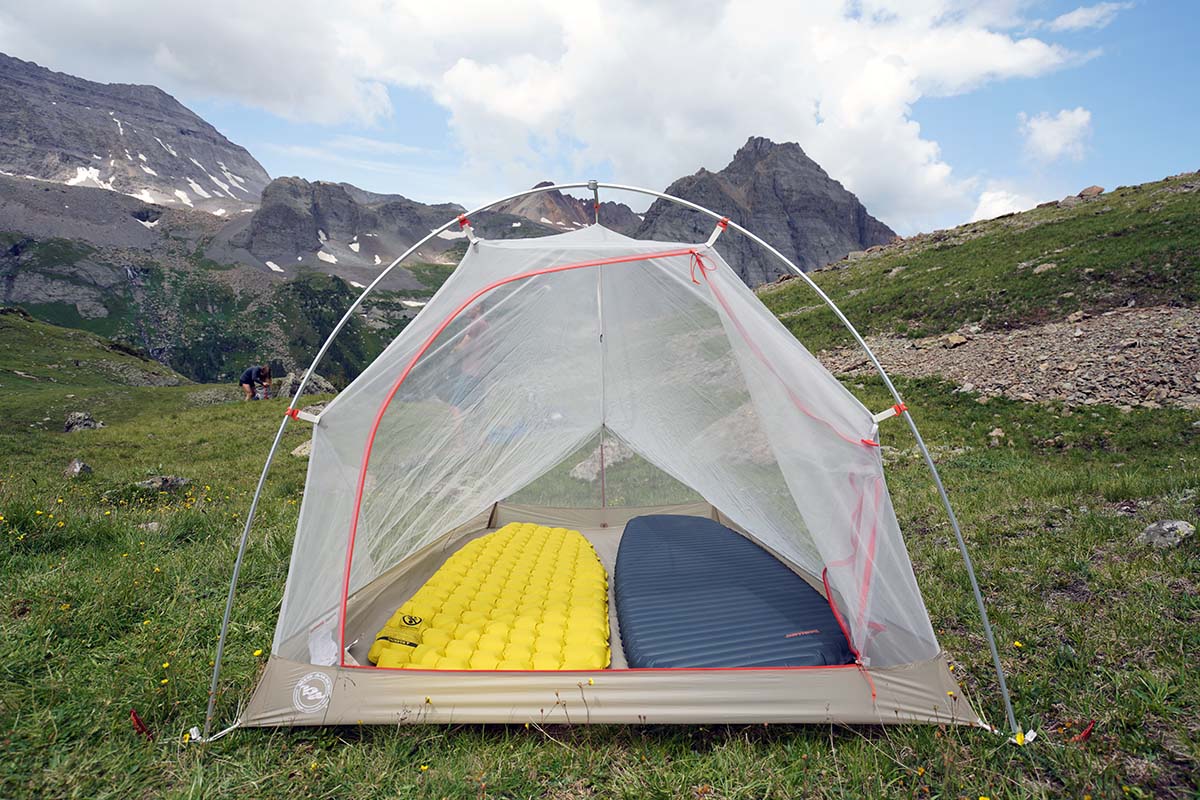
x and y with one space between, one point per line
723 223
899 408
294 413
870 442
463 221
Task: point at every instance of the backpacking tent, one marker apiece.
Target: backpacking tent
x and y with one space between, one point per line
639 393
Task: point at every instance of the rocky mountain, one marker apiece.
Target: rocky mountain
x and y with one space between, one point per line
566 212
136 140
342 230
783 196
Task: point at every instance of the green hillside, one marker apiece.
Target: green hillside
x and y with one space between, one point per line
1138 244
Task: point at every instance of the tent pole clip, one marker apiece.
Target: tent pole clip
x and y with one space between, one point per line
722 224
465 224
296 413
894 411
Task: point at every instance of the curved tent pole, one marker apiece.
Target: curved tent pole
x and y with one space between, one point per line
594 185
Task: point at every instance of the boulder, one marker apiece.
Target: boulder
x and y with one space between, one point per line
1166 533
955 340
1091 191
151 527
316 385
304 450
81 421
163 483
76 469
1069 202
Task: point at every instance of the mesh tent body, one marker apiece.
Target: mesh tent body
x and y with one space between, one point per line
532 352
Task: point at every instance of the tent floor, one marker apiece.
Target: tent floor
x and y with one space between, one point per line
604 534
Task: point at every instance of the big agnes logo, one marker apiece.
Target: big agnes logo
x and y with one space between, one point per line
311 692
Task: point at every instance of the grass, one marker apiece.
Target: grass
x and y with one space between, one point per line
1136 244
96 612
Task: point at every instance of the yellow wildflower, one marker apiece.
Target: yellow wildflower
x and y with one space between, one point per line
424 768
165 681
166 664
65 607
108 513
1018 644
258 652
38 513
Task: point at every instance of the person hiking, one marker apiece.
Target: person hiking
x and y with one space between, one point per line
256 382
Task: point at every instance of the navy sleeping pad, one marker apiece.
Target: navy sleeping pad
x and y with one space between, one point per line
692 593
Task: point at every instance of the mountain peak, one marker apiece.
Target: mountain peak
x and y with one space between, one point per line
780 193
127 138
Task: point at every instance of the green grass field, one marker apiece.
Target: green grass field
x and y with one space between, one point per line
100 615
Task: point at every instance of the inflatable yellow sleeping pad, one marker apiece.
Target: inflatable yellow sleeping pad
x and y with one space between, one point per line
525 597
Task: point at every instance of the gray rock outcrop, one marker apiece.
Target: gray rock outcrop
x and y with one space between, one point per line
76 469
316 385
81 421
1166 533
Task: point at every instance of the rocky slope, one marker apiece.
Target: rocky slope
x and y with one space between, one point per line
137 140
342 230
566 212
783 196
1128 357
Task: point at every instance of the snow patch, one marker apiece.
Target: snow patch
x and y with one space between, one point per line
516 224
274 267
147 170
166 147
235 180
141 156
144 196
86 174
148 224
452 235
220 212
377 260
328 258
412 303
357 285
9 174
198 189
321 235
545 221
120 129
98 158
183 196
561 224
299 258
247 211
128 155
354 246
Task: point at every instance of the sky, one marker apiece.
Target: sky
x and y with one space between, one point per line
934 112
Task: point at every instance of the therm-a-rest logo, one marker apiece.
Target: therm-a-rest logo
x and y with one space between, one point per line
312 692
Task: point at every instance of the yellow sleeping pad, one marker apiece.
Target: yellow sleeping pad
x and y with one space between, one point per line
525 597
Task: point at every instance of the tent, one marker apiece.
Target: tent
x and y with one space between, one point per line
588 382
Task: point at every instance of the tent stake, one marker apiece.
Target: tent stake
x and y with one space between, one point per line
594 186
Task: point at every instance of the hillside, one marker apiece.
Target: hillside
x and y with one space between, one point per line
1135 246
137 140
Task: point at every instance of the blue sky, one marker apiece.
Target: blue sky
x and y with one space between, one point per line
932 111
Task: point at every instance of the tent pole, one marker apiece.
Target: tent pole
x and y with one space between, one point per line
594 186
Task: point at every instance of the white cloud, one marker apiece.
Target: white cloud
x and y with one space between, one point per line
1050 137
994 202
1085 17
535 89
